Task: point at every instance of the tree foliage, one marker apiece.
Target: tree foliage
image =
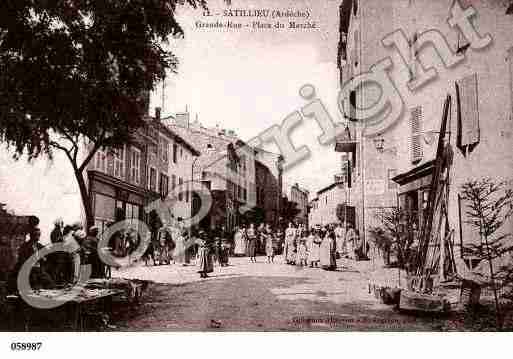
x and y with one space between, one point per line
289 211
395 233
489 206
75 70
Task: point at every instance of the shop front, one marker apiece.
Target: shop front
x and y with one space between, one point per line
114 200
413 192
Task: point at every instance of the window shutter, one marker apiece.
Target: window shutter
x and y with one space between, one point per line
468 113
416 135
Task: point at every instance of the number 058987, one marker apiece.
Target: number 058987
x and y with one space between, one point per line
26 346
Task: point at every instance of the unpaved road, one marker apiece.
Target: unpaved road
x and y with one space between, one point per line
267 297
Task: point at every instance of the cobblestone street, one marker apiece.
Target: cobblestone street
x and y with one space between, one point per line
263 296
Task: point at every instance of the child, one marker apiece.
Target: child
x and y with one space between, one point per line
269 250
302 252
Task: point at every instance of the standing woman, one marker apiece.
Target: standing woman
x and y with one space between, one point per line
314 249
240 245
269 249
252 242
290 245
328 251
205 262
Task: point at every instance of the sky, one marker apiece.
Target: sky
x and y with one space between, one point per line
243 80
248 80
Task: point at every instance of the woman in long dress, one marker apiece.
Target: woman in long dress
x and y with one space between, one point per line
252 242
269 248
205 262
240 242
314 248
290 244
328 252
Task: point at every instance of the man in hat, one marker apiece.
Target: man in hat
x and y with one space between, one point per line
39 278
90 253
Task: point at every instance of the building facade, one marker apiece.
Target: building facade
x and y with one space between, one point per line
267 193
300 196
480 86
236 175
324 208
123 181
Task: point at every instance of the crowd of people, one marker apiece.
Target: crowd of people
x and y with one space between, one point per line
60 268
320 246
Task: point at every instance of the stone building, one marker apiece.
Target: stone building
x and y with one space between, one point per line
480 85
300 196
324 207
122 181
235 174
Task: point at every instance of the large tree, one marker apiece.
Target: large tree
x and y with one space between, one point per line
77 71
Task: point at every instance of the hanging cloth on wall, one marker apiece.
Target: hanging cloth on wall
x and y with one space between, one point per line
468 134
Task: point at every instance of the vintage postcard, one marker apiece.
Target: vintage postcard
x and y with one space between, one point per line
256 165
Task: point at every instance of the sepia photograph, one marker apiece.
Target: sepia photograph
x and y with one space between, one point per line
255 166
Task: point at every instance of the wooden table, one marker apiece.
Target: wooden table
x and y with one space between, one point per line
79 304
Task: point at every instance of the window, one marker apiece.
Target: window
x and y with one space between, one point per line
101 161
119 160
173 182
352 108
164 185
416 150
132 212
180 183
355 7
135 166
187 192
152 181
164 150
245 194
175 148
181 152
391 173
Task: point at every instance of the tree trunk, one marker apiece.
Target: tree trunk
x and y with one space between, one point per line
86 198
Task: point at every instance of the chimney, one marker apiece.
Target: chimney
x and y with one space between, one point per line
158 110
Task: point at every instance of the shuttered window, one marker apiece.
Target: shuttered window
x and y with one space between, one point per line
416 135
